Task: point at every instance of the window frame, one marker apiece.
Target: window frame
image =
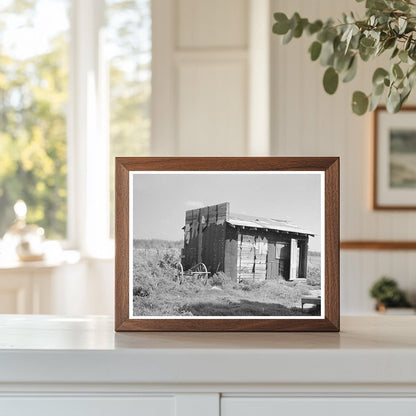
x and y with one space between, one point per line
88 133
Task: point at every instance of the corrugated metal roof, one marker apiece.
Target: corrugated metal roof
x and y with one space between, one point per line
266 223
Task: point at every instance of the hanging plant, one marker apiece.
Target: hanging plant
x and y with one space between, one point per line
389 27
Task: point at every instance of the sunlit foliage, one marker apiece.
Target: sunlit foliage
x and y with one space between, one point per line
33 100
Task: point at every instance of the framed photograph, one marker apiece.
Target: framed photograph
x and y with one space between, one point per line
227 244
395 159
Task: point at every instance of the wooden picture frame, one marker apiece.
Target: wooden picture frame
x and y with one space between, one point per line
394 184
132 195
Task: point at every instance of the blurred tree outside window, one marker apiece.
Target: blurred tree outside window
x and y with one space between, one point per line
129 51
33 102
34 93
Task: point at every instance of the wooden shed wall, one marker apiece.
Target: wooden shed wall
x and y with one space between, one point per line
207 229
231 252
274 268
241 253
281 267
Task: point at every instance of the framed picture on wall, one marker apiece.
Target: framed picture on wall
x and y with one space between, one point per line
227 244
394 186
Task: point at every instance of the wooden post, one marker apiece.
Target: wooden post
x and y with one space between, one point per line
200 229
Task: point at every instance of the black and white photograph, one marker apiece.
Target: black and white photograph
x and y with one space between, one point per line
226 244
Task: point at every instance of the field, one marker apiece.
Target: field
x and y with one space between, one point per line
157 290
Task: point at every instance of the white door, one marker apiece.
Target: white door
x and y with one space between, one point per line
294 259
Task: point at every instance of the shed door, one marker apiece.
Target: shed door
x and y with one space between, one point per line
282 260
294 259
252 257
260 258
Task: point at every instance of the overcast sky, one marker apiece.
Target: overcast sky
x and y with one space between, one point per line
160 200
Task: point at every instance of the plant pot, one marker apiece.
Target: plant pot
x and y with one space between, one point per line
380 307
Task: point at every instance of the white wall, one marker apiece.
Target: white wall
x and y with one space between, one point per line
211 97
202 80
308 122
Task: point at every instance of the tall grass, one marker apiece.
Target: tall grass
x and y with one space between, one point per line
158 291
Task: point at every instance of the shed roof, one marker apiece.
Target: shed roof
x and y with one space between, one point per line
266 223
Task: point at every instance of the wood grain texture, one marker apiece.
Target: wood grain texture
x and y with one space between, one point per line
121 244
330 165
376 204
332 225
378 245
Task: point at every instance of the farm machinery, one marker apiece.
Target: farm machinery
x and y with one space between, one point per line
199 271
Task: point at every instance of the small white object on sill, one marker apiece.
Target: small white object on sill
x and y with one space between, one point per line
54 257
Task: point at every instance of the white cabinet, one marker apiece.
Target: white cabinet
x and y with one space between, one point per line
51 365
88 406
271 406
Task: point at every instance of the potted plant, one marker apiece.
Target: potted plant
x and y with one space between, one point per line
389 27
387 294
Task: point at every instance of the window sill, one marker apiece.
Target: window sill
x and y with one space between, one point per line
63 258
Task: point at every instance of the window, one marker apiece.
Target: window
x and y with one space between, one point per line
33 98
129 43
75 87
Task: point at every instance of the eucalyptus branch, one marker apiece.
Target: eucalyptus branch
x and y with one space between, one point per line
388 25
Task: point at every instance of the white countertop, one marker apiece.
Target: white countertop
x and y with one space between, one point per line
52 349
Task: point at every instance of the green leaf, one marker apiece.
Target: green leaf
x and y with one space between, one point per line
389 43
402 24
366 48
412 52
359 103
395 52
314 27
379 75
366 53
412 70
298 30
315 50
294 20
288 37
408 42
342 62
327 53
355 41
367 42
411 76
403 56
330 80
376 4
378 89
351 71
348 34
322 36
281 27
400 5
393 101
403 96
374 102
397 71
